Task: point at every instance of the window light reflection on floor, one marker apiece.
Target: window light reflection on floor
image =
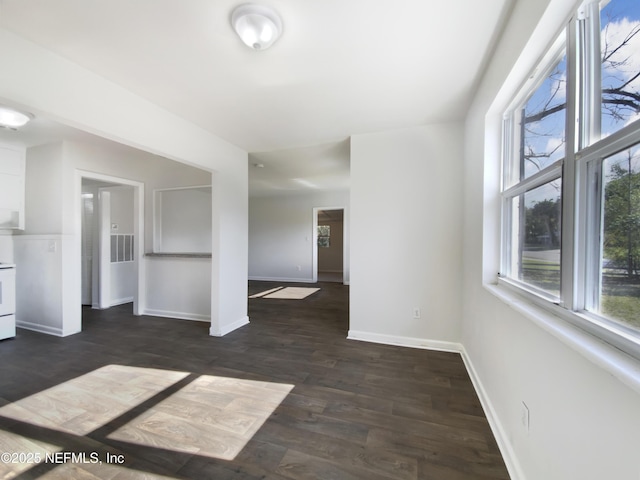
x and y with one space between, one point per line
22 452
85 403
205 415
289 293
211 416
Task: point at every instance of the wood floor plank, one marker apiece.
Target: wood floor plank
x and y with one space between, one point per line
300 466
286 397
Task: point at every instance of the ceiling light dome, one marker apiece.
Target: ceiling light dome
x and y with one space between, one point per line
257 26
11 118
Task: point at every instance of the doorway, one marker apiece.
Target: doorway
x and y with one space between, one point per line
329 245
110 211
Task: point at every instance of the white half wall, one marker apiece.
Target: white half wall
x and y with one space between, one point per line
42 265
281 235
584 421
406 206
183 294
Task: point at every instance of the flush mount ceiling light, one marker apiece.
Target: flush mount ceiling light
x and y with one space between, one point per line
257 26
11 118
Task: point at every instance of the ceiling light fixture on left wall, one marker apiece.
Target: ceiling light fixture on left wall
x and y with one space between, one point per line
257 26
12 118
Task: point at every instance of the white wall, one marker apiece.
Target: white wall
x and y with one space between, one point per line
406 206
184 293
281 235
6 247
48 85
182 220
40 304
584 421
43 190
113 159
41 250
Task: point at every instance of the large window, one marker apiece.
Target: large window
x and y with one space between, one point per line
571 175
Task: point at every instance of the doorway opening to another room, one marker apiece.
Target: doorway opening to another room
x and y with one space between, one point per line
111 236
329 246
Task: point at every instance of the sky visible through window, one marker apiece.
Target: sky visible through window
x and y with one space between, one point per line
620 53
545 109
544 121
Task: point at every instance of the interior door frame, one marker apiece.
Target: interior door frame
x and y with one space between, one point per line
139 299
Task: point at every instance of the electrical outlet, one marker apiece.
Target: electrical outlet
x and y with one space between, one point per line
416 313
299 268
524 416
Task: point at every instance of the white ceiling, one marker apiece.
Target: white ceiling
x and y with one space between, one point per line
342 67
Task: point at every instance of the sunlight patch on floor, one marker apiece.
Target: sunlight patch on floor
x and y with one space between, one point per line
206 415
19 454
211 416
266 292
289 293
83 404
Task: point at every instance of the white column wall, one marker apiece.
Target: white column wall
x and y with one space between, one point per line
584 422
39 250
406 206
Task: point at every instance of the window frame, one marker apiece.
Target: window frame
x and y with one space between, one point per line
580 172
510 188
323 238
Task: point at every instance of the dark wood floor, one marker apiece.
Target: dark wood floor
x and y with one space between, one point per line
355 411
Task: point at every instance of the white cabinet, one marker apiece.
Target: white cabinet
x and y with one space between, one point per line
12 173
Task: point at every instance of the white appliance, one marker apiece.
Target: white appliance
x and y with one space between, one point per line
7 300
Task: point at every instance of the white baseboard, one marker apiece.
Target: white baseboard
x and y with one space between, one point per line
509 456
121 301
221 332
282 279
35 327
178 315
412 342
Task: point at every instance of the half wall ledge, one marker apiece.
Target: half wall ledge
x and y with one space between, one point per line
178 255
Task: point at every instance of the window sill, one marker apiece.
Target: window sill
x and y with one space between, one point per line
616 362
